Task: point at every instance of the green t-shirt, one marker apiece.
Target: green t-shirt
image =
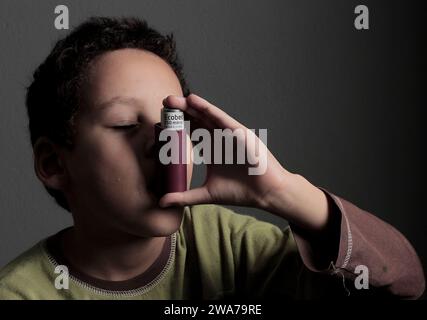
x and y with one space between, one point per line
215 254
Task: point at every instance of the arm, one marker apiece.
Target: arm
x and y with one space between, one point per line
334 236
326 228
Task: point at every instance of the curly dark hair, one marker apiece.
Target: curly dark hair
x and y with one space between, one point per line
53 97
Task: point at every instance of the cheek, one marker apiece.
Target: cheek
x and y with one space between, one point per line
107 162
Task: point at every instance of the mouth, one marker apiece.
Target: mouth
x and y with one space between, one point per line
153 198
154 189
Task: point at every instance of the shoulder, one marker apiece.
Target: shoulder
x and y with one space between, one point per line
215 215
237 251
216 222
26 272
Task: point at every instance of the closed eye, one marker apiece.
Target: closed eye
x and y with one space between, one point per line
126 127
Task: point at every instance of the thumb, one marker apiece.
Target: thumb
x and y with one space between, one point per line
190 197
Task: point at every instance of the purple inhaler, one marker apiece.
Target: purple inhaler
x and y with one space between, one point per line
172 177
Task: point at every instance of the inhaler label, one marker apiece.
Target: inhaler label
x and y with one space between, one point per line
172 119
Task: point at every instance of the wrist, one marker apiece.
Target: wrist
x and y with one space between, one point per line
299 202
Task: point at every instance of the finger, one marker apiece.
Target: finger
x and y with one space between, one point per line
206 113
191 114
211 112
186 198
194 115
181 103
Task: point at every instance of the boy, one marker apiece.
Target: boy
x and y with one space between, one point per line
92 106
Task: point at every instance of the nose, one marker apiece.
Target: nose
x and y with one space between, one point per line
145 150
149 145
146 136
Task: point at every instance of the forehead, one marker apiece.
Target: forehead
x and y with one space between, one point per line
132 73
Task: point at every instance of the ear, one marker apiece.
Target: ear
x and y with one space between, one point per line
49 165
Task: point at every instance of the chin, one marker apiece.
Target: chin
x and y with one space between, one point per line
158 222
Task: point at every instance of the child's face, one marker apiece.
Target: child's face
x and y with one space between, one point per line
111 169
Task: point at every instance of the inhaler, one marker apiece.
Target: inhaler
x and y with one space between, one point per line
172 177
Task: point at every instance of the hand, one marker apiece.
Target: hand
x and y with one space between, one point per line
276 190
226 183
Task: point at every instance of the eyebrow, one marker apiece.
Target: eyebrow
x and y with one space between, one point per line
118 100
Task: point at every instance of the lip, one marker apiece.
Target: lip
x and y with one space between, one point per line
153 200
153 196
153 189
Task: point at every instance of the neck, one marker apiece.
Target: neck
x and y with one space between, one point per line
110 254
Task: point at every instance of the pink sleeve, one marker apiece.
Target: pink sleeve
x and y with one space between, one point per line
392 263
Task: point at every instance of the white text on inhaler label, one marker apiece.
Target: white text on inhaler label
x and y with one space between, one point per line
172 119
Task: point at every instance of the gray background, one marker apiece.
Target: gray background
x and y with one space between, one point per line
342 107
